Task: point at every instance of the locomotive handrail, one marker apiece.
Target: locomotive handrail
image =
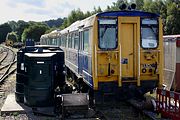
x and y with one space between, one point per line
168 103
139 66
120 67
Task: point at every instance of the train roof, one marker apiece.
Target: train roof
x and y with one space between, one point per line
80 24
90 20
51 34
128 13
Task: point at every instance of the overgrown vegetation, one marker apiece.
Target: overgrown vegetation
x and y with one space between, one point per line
168 9
12 36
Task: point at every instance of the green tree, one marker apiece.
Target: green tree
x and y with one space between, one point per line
4 30
139 4
173 18
13 25
50 30
12 36
87 14
34 32
72 17
65 24
21 25
96 10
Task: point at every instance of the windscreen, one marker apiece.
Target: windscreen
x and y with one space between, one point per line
107 33
149 33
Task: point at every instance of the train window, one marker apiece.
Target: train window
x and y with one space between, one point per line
76 41
86 40
63 41
72 38
149 33
107 33
80 40
53 41
59 41
70 41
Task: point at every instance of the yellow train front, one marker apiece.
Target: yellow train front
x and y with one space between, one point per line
127 53
117 54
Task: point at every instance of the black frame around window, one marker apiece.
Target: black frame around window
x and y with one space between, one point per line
110 25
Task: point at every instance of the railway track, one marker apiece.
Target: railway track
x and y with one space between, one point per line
7 63
121 111
114 110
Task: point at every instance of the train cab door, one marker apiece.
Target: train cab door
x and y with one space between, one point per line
128 40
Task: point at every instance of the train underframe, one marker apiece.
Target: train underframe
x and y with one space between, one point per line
109 91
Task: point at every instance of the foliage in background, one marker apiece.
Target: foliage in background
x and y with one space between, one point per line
54 23
12 36
78 15
168 9
4 30
34 31
173 18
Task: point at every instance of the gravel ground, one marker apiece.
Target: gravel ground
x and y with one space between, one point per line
9 87
119 112
122 111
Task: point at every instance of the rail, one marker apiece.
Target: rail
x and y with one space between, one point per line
168 104
4 57
7 72
8 66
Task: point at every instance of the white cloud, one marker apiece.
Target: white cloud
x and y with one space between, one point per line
40 10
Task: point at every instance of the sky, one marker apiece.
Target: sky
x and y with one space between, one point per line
41 10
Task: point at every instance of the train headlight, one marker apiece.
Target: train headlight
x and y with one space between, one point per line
143 70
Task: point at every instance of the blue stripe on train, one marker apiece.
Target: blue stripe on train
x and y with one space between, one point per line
128 13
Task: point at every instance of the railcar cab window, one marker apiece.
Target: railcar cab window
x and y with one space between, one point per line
107 33
149 33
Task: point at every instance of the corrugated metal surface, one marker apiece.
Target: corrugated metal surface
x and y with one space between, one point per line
177 69
178 43
172 61
169 62
178 55
177 83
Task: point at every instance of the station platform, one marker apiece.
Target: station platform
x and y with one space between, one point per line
10 106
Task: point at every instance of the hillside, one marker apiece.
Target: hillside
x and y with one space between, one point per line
54 22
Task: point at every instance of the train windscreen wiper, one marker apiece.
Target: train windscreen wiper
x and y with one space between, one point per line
151 27
102 35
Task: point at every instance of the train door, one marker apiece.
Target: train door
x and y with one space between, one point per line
128 40
80 56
